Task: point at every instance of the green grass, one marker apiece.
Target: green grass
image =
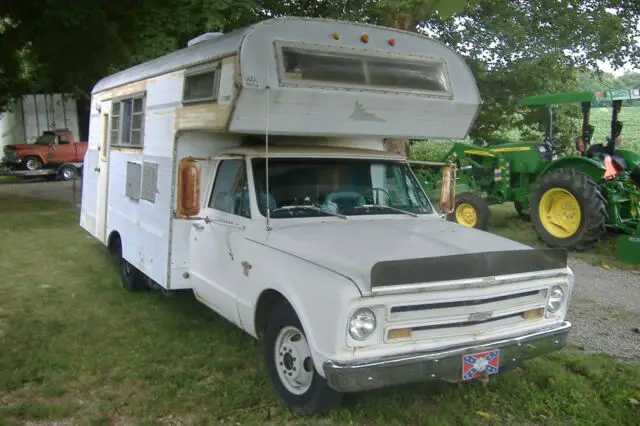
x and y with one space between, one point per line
8 179
74 347
630 117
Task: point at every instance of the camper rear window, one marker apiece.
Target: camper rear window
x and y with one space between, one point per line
306 66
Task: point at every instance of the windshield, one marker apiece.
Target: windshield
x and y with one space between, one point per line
334 186
45 138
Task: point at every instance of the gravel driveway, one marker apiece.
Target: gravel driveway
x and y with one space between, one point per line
605 310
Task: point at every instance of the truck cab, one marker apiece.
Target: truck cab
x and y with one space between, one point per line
52 148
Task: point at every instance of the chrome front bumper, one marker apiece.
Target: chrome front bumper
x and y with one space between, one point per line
362 375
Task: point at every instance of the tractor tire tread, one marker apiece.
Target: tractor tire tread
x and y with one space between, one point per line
592 203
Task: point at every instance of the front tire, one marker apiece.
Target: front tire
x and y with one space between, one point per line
291 368
31 163
568 210
471 211
520 210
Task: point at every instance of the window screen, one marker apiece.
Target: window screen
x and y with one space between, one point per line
127 122
379 73
200 87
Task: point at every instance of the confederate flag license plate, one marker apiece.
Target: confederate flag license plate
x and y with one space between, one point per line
475 364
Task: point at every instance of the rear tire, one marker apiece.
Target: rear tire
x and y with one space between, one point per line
568 210
471 211
68 172
131 278
292 371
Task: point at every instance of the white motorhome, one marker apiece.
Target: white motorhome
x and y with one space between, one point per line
250 168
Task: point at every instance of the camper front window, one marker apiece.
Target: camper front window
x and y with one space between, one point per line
309 66
315 187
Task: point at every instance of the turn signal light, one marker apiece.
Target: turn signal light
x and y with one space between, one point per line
392 42
364 38
533 314
336 36
399 333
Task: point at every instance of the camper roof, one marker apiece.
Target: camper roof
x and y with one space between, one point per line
209 47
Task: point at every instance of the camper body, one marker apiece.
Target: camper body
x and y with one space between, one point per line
250 168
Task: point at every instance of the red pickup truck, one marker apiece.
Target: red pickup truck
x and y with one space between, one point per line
51 149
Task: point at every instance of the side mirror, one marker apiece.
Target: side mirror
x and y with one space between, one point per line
448 189
188 197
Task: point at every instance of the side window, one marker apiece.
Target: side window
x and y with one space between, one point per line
63 139
127 122
230 191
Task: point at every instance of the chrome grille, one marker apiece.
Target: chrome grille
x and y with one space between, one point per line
465 313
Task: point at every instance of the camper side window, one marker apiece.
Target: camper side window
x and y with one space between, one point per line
230 191
201 83
127 122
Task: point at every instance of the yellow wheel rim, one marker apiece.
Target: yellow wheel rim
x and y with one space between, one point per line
560 213
466 215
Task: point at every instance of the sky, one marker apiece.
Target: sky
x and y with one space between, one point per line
606 67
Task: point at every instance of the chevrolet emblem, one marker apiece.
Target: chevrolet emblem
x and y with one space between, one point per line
480 316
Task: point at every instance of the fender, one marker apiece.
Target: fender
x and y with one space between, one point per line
588 166
312 291
631 157
22 153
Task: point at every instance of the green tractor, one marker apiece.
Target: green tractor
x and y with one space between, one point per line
571 199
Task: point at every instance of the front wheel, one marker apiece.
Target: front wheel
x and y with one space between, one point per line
471 211
568 210
31 163
291 368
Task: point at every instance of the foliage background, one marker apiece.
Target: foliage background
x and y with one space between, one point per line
515 48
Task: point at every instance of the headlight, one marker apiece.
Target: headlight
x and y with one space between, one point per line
362 324
556 299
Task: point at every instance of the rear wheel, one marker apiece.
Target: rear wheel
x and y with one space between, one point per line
131 278
291 368
68 172
568 210
471 211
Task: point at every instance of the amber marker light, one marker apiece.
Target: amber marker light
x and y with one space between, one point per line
399 333
335 35
364 38
392 42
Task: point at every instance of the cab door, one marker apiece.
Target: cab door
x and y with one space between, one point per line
61 150
217 244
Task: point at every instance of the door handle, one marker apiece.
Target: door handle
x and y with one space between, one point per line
198 226
96 169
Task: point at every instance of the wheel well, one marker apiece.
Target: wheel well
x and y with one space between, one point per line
113 241
268 301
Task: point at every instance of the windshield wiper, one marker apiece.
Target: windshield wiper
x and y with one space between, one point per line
314 208
387 207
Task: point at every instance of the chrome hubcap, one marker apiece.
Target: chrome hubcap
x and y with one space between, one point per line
67 173
293 360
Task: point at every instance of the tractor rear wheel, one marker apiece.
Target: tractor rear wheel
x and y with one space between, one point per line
568 210
471 211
